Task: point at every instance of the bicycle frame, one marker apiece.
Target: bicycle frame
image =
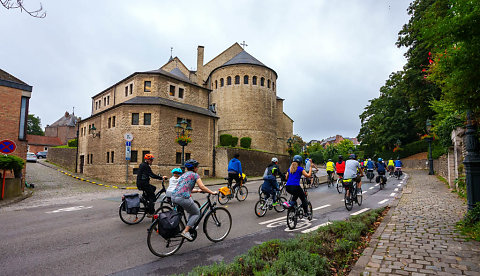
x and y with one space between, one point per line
204 209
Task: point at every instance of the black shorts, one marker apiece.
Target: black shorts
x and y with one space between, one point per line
340 174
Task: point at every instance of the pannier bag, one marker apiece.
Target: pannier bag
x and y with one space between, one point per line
132 203
168 224
378 179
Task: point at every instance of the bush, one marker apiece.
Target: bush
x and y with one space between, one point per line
225 140
12 162
73 143
245 142
470 225
234 141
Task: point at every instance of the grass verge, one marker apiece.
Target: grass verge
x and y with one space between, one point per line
330 250
469 226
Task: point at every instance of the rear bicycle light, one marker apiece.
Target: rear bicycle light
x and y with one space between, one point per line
155 216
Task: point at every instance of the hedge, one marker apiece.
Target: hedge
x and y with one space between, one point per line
225 140
245 142
234 141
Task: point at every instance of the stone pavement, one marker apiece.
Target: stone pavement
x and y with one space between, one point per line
418 235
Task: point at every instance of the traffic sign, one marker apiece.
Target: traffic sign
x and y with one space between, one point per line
128 152
7 146
128 137
128 144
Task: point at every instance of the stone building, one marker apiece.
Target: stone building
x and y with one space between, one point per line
64 128
234 93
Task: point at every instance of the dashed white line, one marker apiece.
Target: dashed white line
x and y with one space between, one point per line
272 220
69 209
376 185
359 212
383 201
392 194
399 185
316 227
364 192
370 188
396 189
321 207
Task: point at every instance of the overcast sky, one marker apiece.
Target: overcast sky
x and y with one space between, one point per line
331 57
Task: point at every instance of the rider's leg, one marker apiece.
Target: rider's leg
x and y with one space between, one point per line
150 191
237 182
293 191
191 208
231 176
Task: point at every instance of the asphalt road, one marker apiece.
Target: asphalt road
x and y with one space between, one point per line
82 233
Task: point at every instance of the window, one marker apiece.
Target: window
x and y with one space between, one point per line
135 118
262 82
108 100
133 156
96 105
23 119
88 158
237 79
254 80
143 154
206 172
104 101
245 79
108 156
45 148
91 158
268 83
216 83
147 85
131 88
147 119
113 121
109 122
221 82
172 90
187 156
178 158
180 92
112 157
273 86
126 91
229 80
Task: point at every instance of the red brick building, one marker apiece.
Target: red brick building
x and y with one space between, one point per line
15 95
64 128
38 143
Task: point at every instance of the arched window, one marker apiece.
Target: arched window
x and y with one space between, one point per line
229 80
254 80
221 82
245 79
216 83
268 83
262 82
237 79
273 86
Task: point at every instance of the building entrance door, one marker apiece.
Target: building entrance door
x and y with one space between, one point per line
82 161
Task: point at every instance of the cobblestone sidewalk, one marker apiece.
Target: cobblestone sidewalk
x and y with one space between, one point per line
418 235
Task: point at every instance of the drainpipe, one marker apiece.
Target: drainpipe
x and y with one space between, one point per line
78 144
214 151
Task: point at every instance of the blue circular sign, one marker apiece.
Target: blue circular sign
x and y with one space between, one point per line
7 146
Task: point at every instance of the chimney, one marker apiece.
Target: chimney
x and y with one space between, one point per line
200 64
67 114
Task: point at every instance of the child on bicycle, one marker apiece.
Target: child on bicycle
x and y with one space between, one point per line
270 185
173 181
293 176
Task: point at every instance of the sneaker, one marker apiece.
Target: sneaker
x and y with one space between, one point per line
275 204
186 235
286 204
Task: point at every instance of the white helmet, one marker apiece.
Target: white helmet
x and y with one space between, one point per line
274 160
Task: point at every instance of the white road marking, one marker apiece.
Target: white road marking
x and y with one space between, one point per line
376 185
321 207
272 220
370 188
316 227
401 182
399 185
285 217
301 224
364 192
69 209
359 212
396 190
383 201
392 194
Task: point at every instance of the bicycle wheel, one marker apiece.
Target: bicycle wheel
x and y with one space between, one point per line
316 182
310 211
217 224
132 218
348 200
242 193
261 208
163 247
222 199
339 186
292 218
165 202
359 197
279 207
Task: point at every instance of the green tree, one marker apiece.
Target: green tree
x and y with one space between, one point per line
34 125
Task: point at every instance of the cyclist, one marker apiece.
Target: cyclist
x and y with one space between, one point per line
330 167
308 163
234 172
143 182
181 194
398 166
381 169
353 170
173 181
274 164
293 176
270 185
340 166
370 165
390 165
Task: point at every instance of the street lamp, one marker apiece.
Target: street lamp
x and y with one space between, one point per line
289 143
428 125
93 129
472 163
183 131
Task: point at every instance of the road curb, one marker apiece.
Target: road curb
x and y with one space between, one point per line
26 194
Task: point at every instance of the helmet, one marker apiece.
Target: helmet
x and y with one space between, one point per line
352 156
380 159
177 170
191 163
340 157
329 159
297 158
369 159
148 156
274 159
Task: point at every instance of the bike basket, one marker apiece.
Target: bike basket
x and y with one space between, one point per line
132 203
225 190
168 224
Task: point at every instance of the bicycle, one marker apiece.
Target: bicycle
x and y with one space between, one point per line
382 181
216 226
295 212
398 172
263 205
350 188
281 187
132 219
330 179
225 193
339 185
315 180
370 175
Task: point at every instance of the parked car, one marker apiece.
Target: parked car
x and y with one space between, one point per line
31 157
41 154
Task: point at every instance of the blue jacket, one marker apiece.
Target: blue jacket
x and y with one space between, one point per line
235 166
370 165
398 163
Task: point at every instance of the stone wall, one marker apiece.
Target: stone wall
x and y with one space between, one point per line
64 157
253 162
418 164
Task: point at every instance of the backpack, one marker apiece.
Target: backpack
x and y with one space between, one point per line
132 203
168 224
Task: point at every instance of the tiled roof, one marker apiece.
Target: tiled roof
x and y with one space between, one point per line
170 103
179 73
43 140
171 74
66 120
6 76
243 58
10 81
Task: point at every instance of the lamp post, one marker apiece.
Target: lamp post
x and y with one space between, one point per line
183 135
428 125
94 131
289 143
472 164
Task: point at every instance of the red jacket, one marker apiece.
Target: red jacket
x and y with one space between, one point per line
340 167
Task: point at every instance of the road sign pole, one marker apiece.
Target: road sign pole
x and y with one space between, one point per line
3 184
